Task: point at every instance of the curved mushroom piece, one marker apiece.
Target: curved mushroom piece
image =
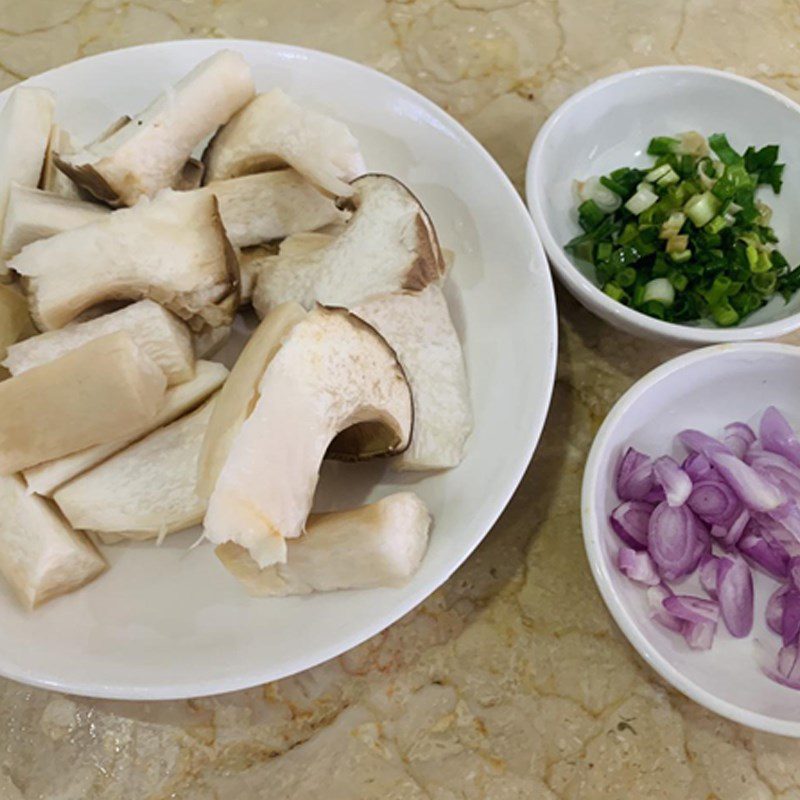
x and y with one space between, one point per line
419 329
272 131
238 396
389 244
332 372
271 205
155 330
33 214
25 123
40 555
45 478
381 544
149 152
147 490
52 179
99 392
172 249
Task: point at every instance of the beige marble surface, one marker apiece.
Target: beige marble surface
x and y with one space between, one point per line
511 681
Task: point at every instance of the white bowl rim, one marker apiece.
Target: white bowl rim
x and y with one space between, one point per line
258 674
577 282
592 537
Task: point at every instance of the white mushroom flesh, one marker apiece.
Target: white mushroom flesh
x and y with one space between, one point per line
381 544
272 131
332 372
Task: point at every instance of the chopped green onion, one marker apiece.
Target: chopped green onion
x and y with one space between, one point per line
614 291
641 201
662 145
718 142
589 215
701 208
688 238
661 290
716 224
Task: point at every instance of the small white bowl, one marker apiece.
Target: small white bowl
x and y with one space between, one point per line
704 389
609 124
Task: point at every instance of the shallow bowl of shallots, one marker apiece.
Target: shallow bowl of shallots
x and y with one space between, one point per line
691 522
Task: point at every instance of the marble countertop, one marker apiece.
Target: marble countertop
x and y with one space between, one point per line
511 681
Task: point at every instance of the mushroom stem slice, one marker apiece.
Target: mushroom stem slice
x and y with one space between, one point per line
271 205
238 396
333 371
32 214
122 256
155 330
149 152
272 131
25 123
45 478
145 491
381 544
389 244
40 555
419 329
99 392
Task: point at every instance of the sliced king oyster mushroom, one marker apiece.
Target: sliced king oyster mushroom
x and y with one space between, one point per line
273 131
41 557
333 372
159 334
380 544
389 244
145 491
122 256
25 122
105 389
33 214
148 153
418 328
178 400
271 205
239 395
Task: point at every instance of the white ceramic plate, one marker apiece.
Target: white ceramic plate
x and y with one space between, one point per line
609 124
706 390
167 623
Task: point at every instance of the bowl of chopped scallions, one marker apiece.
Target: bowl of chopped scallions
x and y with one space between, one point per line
666 199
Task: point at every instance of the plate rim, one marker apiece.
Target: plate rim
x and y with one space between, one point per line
537 264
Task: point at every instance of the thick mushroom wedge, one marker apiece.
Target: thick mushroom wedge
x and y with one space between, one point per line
172 249
32 214
45 478
272 205
149 152
41 557
99 392
15 321
52 179
381 544
418 328
273 131
333 372
146 491
155 330
239 395
389 244
25 123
